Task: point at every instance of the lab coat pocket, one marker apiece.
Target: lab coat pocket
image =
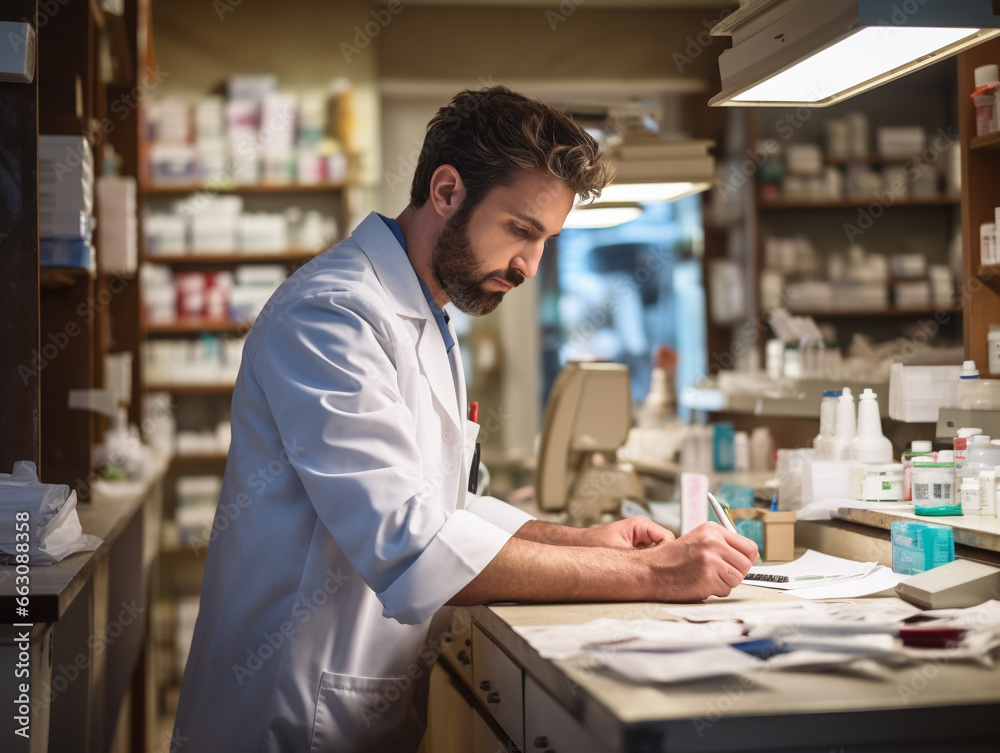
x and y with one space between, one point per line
363 714
471 433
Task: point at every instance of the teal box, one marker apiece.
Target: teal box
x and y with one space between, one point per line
753 530
737 496
917 547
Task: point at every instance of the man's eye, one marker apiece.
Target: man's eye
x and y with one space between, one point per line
518 230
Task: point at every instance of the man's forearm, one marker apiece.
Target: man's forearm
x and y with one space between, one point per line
529 571
551 533
707 561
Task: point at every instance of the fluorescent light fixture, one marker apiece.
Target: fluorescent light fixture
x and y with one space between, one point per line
652 169
600 217
807 53
641 193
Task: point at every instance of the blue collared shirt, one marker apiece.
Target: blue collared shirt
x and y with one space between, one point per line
439 315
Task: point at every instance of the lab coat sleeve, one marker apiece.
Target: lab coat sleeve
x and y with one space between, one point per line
497 512
327 369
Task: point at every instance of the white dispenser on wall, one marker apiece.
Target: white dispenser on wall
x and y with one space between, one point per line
870 445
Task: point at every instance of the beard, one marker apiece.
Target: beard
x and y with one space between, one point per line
455 265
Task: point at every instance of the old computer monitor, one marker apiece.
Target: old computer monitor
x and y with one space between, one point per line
587 419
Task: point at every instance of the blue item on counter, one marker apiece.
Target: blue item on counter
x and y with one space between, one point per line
753 530
65 252
737 496
918 547
723 446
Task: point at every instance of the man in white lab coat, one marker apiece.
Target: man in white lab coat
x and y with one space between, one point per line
345 525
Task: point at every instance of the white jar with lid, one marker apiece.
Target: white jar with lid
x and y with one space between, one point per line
969 493
877 482
933 489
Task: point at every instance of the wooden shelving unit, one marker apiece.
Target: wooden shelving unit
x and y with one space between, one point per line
152 189
891 311
196 326
190 389
291 256
858 203
980 196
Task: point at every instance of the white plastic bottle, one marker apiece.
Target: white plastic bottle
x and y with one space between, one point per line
870 445
823 443
967 382
845 427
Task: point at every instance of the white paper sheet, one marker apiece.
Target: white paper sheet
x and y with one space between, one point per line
879 579
719 661
609 635
810 564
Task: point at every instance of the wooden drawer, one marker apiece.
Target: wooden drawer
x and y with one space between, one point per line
456 646
548 727
498 683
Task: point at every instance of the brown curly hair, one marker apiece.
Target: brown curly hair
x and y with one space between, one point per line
489 134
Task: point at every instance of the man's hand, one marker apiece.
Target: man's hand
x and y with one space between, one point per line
634 532
708 561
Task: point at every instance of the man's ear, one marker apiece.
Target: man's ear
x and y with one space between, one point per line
447 191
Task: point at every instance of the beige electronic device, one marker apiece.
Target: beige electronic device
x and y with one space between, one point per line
587 420
959 584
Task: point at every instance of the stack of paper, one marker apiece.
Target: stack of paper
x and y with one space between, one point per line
39 518
820 576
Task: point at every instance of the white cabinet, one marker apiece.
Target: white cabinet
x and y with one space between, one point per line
548 727
497 681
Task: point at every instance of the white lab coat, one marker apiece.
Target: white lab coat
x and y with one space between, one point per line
344 523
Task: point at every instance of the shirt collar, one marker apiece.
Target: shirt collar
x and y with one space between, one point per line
440 317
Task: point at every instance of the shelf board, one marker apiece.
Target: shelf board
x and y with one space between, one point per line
887 312
183 550
190 389
986 141
988 270
201 457
870 159
194 326
233 257
900 201
62 277
184 188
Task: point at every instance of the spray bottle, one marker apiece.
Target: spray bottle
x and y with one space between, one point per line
870 445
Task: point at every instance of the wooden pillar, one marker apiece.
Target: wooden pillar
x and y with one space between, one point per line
19 312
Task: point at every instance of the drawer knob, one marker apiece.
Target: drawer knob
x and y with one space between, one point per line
485 686
493 697
541 741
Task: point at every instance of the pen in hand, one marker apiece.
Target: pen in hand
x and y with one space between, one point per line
722 513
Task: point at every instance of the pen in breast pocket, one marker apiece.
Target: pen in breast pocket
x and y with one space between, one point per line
474 470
